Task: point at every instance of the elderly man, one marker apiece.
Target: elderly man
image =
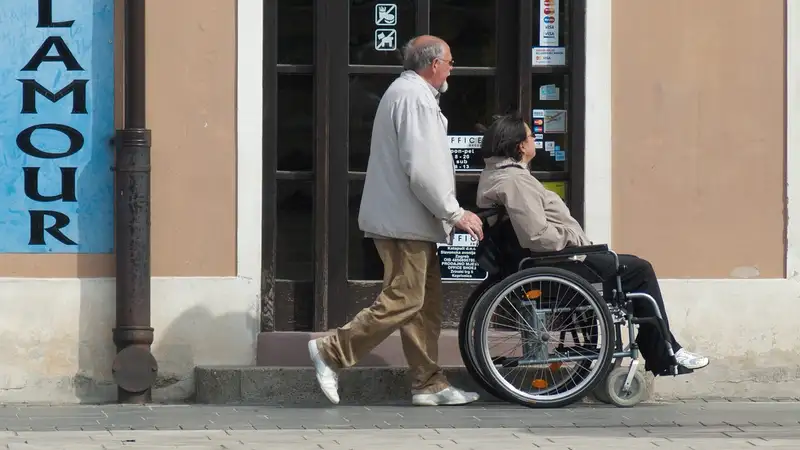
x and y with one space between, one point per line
408 205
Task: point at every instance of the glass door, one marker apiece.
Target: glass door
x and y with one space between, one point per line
504 61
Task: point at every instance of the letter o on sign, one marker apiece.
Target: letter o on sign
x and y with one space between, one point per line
24 141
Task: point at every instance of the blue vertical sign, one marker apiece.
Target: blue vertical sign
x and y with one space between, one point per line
56 124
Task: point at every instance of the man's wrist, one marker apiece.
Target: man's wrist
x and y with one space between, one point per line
456 217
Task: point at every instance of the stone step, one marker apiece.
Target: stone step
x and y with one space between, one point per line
297 386
290 349
266 385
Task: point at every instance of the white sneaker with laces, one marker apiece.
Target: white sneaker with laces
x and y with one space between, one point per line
690 360
448 396
327 378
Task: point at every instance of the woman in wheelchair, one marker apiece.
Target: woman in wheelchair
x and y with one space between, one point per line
542 223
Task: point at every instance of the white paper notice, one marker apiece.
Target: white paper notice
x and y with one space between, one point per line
549 56
548 23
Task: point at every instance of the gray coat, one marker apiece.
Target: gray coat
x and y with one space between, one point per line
410 190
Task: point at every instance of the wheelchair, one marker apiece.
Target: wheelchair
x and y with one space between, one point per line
570 333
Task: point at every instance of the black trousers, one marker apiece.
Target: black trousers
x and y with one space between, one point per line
638 277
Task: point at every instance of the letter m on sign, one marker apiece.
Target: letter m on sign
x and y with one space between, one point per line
31 87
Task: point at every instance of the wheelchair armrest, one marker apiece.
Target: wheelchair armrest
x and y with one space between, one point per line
572 251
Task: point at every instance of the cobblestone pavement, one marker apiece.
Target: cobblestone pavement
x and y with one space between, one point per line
691 425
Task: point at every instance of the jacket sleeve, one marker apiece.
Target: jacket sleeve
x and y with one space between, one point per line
524 203
428 168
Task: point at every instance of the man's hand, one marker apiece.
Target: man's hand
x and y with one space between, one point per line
472 224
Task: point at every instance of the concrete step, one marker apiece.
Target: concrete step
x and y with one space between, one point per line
297 386
265 385
290 349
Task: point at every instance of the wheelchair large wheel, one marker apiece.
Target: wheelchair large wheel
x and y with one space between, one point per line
561 320
466 339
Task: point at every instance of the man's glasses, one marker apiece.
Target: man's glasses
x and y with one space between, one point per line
452 62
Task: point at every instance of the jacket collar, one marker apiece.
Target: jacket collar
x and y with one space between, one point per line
498 162
414 77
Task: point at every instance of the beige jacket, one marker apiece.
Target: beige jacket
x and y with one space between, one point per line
540 218
410 187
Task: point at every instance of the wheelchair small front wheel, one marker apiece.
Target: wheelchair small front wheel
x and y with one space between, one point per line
600 394
614 388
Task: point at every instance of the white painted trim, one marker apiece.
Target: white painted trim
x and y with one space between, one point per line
792 138
597 188
249 108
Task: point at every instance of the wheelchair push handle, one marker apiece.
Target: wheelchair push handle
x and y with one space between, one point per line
486 213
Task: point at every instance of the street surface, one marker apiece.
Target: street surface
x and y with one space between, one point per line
717 425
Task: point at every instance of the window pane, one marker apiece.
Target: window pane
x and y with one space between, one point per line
550 32
294 254
550 122
560 188
379 29
295 128
468 103
365 94
295 31
468 26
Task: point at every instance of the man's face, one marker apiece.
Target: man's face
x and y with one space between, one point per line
441 70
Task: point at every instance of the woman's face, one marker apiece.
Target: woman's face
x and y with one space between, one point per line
527 147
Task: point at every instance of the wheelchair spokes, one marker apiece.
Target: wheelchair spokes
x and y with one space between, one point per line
542 338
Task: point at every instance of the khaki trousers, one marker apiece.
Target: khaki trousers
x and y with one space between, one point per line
411 301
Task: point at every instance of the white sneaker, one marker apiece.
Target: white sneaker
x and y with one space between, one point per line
690 360
327 378
447 396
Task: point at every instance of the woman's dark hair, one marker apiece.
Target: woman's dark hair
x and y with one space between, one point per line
503 137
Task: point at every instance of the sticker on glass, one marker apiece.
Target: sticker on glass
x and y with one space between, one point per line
549 92
552 120
549 56
548 23
386 14
466 152
385 40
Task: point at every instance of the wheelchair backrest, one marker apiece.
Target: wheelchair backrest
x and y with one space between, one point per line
499 251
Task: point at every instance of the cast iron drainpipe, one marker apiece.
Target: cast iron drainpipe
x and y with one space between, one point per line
134 368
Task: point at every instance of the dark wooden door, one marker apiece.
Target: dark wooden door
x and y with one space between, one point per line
323 81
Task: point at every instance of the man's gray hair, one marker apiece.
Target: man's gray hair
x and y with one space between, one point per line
418 57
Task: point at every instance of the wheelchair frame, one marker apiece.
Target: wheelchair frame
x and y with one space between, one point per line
621 305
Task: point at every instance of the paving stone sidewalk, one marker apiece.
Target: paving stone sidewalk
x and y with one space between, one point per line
691 425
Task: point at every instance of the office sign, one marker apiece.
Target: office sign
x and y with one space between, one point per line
466 151
56 126
457 260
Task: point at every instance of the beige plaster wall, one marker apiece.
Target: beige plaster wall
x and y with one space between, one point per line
699 136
